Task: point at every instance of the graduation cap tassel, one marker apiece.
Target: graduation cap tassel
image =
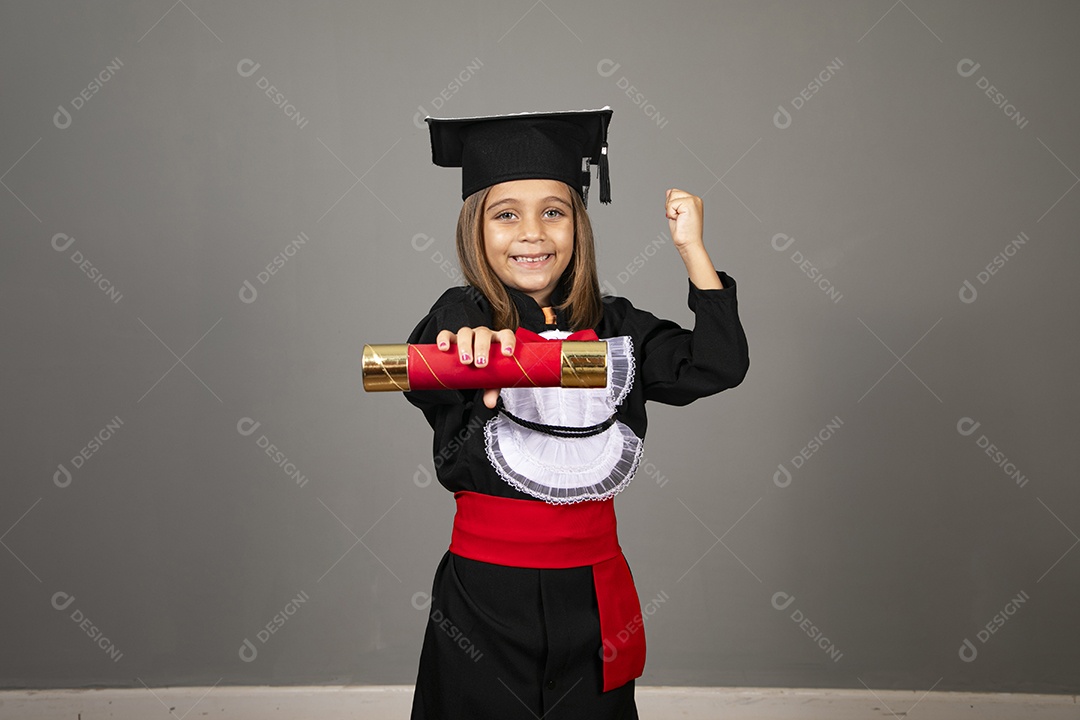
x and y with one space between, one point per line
605 182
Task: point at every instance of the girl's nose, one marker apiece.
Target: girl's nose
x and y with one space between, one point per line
531 229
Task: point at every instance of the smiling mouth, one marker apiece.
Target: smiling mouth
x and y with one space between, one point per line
531 259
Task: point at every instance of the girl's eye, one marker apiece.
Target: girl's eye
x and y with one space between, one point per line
549 213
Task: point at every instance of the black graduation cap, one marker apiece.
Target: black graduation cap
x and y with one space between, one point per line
519 146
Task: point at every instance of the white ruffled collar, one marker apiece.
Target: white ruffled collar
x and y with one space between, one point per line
568 470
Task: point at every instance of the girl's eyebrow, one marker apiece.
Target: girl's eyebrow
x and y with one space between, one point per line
549 198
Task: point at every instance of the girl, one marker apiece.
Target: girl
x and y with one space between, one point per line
533 608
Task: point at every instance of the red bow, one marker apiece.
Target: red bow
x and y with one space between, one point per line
529 336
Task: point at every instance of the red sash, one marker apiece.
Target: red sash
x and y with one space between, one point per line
533 534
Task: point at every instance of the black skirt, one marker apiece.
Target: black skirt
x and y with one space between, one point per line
506 642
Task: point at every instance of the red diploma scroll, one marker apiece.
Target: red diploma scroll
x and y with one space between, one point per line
578 361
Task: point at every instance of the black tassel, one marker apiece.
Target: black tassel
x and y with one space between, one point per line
605 182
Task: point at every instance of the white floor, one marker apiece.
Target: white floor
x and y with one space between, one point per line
654 703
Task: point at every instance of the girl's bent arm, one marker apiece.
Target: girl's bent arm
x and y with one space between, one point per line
679 365
700 268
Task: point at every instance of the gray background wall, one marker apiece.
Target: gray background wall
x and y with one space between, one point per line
176 539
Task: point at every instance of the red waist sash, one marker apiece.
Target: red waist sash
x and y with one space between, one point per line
528 533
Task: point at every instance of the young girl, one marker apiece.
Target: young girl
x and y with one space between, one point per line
533 610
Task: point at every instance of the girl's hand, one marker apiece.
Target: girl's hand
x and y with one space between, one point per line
685 218
474 347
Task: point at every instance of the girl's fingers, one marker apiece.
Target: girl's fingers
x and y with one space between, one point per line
679 202
506 339
481 346
465 345
675 194
474 344
490 396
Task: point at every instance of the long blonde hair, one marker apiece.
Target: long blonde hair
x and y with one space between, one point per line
580 278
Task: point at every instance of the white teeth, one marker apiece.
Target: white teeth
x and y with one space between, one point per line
541 258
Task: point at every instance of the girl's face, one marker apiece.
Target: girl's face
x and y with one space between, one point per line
529 234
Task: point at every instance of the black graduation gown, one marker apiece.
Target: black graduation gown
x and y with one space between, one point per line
507 642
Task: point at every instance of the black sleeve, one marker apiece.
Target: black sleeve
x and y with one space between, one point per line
454 310
679 365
